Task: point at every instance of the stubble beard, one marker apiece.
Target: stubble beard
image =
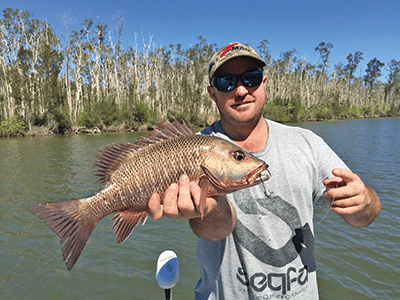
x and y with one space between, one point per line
241 117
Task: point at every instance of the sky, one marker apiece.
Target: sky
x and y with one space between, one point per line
369 26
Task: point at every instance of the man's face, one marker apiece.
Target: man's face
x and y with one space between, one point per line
242 104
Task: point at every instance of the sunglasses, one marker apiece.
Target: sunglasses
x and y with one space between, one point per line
230 82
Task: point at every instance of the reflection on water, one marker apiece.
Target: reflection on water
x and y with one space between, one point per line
352 263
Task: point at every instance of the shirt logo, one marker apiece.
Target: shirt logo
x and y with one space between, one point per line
300 244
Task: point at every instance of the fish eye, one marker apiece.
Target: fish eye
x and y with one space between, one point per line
239 155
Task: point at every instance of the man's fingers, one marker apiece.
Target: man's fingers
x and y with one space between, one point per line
185 202
180 201
343 185
344 192
340 192
170 200
155 207
333 183
345 174
345 210
342 177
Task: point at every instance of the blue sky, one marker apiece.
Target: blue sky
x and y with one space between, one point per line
369 26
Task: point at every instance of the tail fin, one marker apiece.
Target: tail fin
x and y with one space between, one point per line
66 219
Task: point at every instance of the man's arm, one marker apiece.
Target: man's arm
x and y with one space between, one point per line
355 202
182 202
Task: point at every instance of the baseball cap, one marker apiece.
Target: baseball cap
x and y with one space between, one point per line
230 51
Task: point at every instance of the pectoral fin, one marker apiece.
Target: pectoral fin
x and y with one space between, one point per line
203 182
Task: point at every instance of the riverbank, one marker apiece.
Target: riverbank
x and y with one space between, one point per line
37 131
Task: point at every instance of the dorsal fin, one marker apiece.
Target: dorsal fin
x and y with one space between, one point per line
164 132
109 158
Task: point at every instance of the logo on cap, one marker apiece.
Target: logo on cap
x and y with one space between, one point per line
233 46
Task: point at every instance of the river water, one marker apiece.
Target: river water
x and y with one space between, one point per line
352 263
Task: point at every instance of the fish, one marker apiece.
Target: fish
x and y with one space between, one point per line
130 173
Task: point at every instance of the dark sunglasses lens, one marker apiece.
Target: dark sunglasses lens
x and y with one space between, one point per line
229 82
251 79
225 84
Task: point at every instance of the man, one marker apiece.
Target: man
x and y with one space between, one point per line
258 243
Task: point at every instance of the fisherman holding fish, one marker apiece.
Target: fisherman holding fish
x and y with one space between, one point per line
258 242
256 236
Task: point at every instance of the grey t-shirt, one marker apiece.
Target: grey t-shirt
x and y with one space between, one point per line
270 254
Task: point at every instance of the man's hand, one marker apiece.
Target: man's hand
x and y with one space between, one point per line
183 202
355 202
180 201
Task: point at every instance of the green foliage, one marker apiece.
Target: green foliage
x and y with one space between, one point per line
285 110
366 111
12 127
61 120
276 112
373 72
324 52
126 117
354 111
322 112
142 114
137 113
39 120
106 113
394 110
333 110
90 116
353 61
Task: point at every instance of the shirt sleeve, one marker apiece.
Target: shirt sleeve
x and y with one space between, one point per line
327 160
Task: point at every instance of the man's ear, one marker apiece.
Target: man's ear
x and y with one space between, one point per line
265 80
211 92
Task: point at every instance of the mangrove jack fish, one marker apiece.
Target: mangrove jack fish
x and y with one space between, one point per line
131 173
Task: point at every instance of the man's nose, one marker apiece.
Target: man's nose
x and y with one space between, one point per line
241 89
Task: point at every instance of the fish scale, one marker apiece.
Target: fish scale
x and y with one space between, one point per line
158 166
131 173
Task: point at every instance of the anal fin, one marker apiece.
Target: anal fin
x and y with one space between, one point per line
124 222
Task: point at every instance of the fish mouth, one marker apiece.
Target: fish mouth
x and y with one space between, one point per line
259 175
